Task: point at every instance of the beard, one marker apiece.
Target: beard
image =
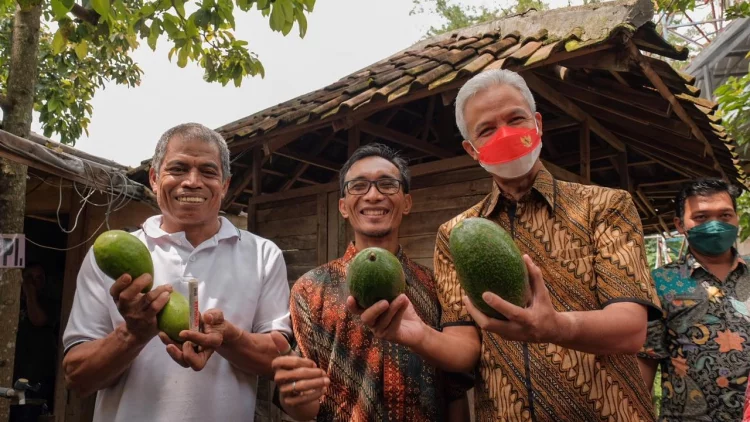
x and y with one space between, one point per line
377 234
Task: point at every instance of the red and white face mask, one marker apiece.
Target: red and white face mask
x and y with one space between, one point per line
511 152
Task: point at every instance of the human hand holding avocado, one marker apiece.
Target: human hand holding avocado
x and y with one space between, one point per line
139 309
539 322
216 331
396 321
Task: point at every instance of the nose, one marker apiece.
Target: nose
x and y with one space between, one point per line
192 179
373 195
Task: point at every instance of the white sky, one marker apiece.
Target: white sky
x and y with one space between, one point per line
343 36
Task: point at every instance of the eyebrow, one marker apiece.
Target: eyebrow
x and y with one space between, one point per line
513 112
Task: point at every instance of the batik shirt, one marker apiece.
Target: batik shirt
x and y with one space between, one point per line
588 243
701 341
371 379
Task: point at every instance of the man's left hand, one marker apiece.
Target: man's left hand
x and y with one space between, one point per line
537 323
215 328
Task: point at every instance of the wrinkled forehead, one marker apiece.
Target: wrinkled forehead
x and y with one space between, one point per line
373 168
497 97
192 149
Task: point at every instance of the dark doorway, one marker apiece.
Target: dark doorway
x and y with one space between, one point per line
39 318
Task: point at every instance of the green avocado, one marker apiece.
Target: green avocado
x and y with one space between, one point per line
373 275
118 252
487 259
174 316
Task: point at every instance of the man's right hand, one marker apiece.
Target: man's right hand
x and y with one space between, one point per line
301 383
138 309
396 321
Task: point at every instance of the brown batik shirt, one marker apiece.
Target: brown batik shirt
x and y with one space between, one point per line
371 379
588 243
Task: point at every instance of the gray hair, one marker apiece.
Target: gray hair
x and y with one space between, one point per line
486 80
193 131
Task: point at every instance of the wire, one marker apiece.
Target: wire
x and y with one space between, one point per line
70 248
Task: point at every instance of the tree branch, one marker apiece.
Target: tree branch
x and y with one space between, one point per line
84 14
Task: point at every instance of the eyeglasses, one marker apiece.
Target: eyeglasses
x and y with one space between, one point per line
384 186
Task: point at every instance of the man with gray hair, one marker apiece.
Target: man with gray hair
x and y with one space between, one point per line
110 340
569 354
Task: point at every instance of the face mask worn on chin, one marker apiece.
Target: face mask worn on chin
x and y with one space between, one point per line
712 238
511 152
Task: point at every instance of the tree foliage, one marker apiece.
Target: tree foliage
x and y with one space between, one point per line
455 14
85 46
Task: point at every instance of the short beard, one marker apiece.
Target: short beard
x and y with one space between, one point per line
377 234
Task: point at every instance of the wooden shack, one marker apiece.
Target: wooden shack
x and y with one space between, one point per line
615 114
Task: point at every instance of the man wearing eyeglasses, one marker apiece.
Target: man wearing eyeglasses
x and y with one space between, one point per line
345 372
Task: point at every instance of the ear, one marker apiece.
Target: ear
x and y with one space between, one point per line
152 179
342 208
469 150
407 204
538 117
679 226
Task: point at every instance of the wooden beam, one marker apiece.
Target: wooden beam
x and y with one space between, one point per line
566 105
234 191
563 174
448 97
428 118
660 86
304 166
322 213
309 159
252 208
622 165
404 139
651 209
354 140
562 122
573 158
584 141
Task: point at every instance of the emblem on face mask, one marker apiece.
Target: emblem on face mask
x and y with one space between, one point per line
526 141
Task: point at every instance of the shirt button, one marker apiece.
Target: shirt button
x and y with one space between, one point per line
192 259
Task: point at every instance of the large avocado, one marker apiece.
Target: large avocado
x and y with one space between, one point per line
118 252
373 275
174 316
487 259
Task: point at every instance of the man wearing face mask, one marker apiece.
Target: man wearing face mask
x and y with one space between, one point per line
570 354
701 342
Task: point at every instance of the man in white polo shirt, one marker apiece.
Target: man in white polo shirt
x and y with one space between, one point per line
110 340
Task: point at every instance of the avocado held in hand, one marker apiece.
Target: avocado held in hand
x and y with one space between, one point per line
375 274
118 252
487 259
174 316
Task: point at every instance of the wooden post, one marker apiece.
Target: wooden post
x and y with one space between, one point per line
622 165
354 140
585 142
322 200
252 208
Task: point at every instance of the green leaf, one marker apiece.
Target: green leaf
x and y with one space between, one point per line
170 26
179 6
153 36
301 21
288 9
82 49
58 42
277 17
310 4
182 57
101 7
59 8
287 28
262 4
244 5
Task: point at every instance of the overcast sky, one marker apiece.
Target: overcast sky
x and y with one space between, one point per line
343 36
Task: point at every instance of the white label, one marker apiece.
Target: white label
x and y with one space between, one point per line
12 251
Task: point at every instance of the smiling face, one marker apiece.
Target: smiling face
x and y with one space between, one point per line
374 215
492 108
189 187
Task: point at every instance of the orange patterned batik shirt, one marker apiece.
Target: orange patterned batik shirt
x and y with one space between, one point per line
371 379
588 243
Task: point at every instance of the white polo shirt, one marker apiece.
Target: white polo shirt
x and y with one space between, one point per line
240 273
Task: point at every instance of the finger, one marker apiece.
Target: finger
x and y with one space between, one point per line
536 280
288 377
291 362
196 361
308 397
159 303
213 317
386 319
483 321
119 285
505 308
206 340
167 340
282 345
353 307
304 386
370 316
176 354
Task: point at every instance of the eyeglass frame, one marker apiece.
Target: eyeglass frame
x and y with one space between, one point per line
376 183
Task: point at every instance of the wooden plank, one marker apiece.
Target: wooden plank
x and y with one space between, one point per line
427 262
622 165
562 174
294 272
404 139
307 257
309 159
252 218
333 225
560 101
657 81
305 241
425 198
428 118
426 223
354 140
322 235
651 209
584 142
456 176
422 246
284 202
288 227
303 209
